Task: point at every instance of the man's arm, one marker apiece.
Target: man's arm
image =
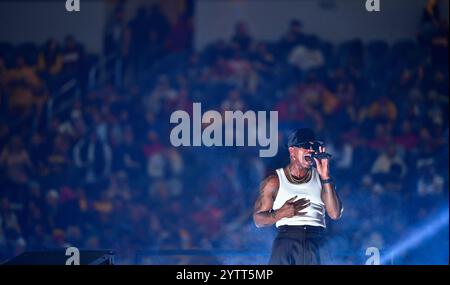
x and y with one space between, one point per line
328 195
263 215
331 200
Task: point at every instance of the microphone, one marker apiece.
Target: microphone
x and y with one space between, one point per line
321 155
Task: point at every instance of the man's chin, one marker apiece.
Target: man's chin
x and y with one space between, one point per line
307 165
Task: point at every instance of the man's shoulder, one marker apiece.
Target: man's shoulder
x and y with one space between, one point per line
272 179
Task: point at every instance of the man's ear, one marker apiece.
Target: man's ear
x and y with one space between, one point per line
291 151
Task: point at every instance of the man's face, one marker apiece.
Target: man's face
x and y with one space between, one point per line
302 155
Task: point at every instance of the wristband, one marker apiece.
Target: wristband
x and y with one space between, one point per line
325 181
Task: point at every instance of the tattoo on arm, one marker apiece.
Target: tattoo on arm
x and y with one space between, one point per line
263 213
265 191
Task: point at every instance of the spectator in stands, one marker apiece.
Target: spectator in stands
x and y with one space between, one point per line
262 59
22 73
158 23
181 102
383 109
117 35
426 154
93 158
139 39
180 36
431 14
17 166
347 108
293 37
291 108
58 162
240 70
14 241
163 91
154 152
342 151
126 156
241 37
233 102
433 31
380 137
50 61
305 58
430 182
407 137
220 71
73 57
175 169
387 158
25 87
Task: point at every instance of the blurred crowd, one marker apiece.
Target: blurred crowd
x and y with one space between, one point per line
102 174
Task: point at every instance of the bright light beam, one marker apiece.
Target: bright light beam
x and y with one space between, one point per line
415 237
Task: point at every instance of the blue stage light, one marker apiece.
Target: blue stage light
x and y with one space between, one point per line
417 236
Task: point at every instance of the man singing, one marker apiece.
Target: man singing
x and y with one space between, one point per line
295 199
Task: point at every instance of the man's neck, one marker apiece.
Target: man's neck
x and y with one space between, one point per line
296 170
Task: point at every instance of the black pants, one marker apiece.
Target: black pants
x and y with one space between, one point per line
298 245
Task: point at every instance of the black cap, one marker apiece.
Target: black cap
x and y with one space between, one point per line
301 136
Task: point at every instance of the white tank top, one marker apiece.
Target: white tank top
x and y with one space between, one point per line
311 190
